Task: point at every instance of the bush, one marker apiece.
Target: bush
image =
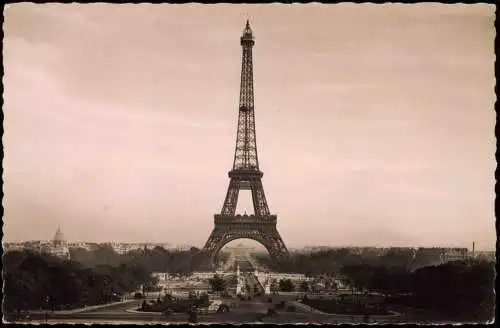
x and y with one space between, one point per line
291 308
217 283
223 308
286 285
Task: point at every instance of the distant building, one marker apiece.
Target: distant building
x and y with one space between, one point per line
59 239
316 248
264 276
59 246
83 245
438 255
425 256
485 255
203 275
240 250
455 254
123 248
183 247
12 246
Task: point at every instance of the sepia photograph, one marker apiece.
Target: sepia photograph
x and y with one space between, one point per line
136 138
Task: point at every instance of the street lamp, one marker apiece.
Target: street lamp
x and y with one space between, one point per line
46 307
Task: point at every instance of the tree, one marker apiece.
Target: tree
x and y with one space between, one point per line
396 257
151 284
286 285
381 281
436 288
358 276
193 315
34 281
217 284
457 291
204 300
274 287
304 286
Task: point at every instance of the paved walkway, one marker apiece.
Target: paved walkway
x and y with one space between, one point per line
84 309
307 308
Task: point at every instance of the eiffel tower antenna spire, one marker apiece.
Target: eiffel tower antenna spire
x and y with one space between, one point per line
245 174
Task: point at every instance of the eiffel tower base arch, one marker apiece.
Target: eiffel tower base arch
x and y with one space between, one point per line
262 230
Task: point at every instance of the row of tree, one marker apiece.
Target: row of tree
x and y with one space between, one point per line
41 281
460 291
154 260
158 259
332 260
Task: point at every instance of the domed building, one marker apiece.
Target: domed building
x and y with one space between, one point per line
59 246
59 239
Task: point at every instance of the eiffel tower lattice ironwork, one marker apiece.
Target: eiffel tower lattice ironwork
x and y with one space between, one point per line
246 175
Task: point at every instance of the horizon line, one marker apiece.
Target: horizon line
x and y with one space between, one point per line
145 243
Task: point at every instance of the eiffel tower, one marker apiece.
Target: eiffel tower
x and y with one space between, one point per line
245 175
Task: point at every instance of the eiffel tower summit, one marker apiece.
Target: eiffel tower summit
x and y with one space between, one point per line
246 175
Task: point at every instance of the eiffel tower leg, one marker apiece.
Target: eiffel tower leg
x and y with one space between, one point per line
213 242
229 207
207 254
277 248
259 199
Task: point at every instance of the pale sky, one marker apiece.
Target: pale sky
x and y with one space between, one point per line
375 123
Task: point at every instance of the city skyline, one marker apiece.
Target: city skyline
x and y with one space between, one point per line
364 137
247 243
